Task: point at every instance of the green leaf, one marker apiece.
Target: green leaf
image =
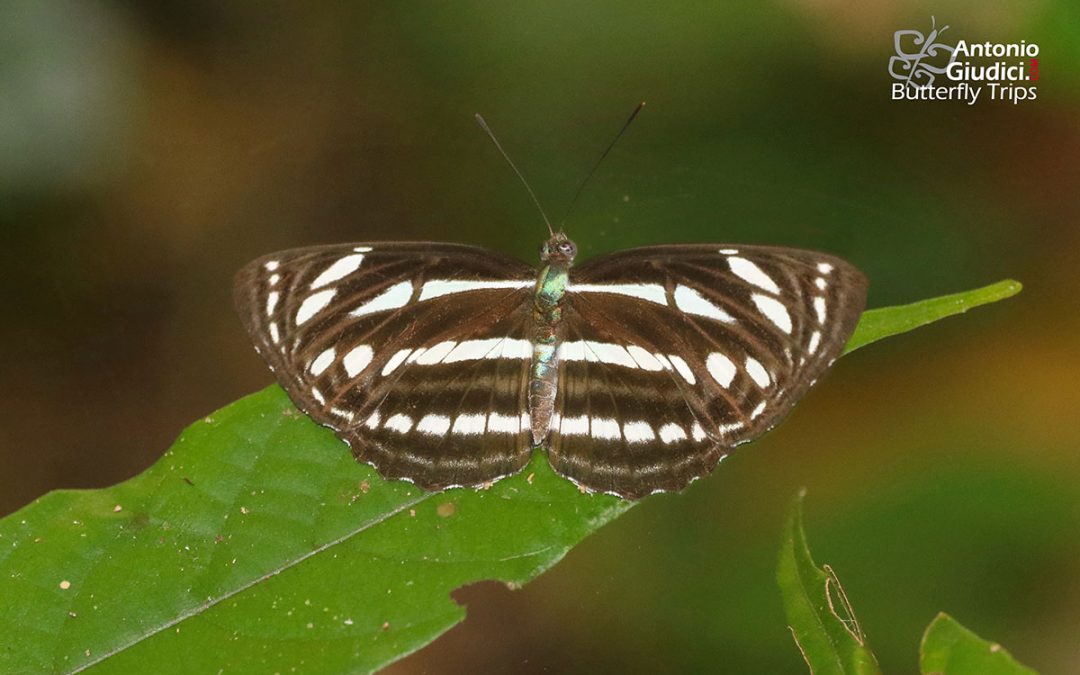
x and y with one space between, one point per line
950 649
876 324
257 544
819 615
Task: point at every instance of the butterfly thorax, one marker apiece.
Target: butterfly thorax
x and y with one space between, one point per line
558 255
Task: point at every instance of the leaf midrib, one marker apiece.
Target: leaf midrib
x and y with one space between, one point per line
198 609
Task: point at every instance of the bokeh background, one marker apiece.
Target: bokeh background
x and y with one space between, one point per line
149 149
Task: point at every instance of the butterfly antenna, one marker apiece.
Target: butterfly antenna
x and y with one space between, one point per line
600 161
484 125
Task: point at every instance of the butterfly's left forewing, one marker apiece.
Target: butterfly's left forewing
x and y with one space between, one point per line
674 354
415 354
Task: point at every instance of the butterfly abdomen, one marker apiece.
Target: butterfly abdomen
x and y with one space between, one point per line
547 330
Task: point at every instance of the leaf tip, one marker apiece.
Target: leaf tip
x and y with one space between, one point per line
1010 287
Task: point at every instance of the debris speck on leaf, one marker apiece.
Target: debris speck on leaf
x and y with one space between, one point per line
446 509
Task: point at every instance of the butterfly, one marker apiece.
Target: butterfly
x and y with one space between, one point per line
447 365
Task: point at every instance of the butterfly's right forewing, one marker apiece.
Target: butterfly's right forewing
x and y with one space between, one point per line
415 354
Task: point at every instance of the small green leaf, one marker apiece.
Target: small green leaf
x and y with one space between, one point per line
818 612
950 649
876 324
257 544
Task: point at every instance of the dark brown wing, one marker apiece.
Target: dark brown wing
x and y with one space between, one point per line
415 354
674 354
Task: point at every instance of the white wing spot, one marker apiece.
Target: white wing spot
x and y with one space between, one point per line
395 361
271 302
506 424
628 357
729 251
757 411
721 368
274 335
757 372
437 287
603 352
654 293
728 428
605 428
313 304
638 432
815 340
774 311
399 423
515 349
611 353
317 395
819 308
322 361
396 296
357 359
574 426
671 432
471 350
274 279
664 361
824 268
683 368
417 459
492 348
343 414
697 432
271 265
436 353
434 425
644 359
821 283
342 267
691 301
574 351
751 273
362 249
373 421
469 425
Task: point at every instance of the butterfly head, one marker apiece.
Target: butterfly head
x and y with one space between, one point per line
558 250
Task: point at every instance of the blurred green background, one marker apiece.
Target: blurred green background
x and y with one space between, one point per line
149 149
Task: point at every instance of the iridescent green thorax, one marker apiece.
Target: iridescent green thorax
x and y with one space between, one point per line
550 288
558 254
